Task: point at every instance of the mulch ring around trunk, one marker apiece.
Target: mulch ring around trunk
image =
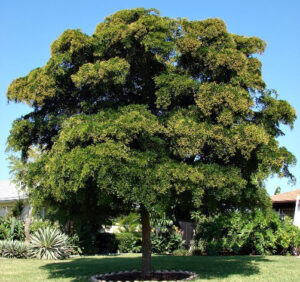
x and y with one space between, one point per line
134 275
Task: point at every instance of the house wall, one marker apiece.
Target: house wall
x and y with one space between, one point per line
6 207
297 212
291 209
285 209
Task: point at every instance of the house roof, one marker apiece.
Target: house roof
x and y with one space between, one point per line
286 197
9 192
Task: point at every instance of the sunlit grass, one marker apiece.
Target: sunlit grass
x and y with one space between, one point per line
238 268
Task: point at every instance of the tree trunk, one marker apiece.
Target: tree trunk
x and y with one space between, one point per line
146 244
27 224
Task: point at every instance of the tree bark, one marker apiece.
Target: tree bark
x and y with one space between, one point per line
27 224
146 244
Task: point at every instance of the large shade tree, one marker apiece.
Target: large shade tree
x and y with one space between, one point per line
149 113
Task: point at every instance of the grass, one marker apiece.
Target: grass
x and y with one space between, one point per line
237 268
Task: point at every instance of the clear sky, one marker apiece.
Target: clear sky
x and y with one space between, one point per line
29 27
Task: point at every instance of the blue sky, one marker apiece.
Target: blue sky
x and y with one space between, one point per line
29 27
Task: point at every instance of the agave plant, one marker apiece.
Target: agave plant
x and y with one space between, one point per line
2 244
50 243
13 249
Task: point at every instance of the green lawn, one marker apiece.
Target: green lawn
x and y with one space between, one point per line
238 268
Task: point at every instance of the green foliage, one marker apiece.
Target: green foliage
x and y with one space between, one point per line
129 237
50 243
112 72
161 223
147 108
129 242
94 241
11 228
245 233
13 249
277 190
181 252
87 237
130 223
75 245
166 243
198 247
287 238
37 224
149 112
47 242
18 208
3 231
165 236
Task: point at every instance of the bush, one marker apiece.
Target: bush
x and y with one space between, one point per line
167 242
197 248
181 252
17 208
245 233
37 224
129 242
164 243
130 223
287 238
87 237
50 243
3 232
106 243
13 249
75 245
165 237
12 229
93 241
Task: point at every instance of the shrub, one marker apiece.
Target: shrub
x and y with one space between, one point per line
93 241
3 232
17 208
13 249
160 243
197 248
165 238
129 238
167 242
75 245
130 223
245 233
12 229
87 237
50 243
106 243
181 252
287 238
37 224
2 242
129 242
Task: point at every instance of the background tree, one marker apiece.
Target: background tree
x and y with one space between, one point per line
277 190
151 113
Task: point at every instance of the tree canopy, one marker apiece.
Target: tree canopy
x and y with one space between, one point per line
151 112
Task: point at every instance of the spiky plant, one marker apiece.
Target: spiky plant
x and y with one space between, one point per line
2 244
49 243
13 249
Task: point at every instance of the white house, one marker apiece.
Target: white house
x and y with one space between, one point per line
9 195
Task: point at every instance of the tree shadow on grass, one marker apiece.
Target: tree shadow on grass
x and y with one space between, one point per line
81 269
